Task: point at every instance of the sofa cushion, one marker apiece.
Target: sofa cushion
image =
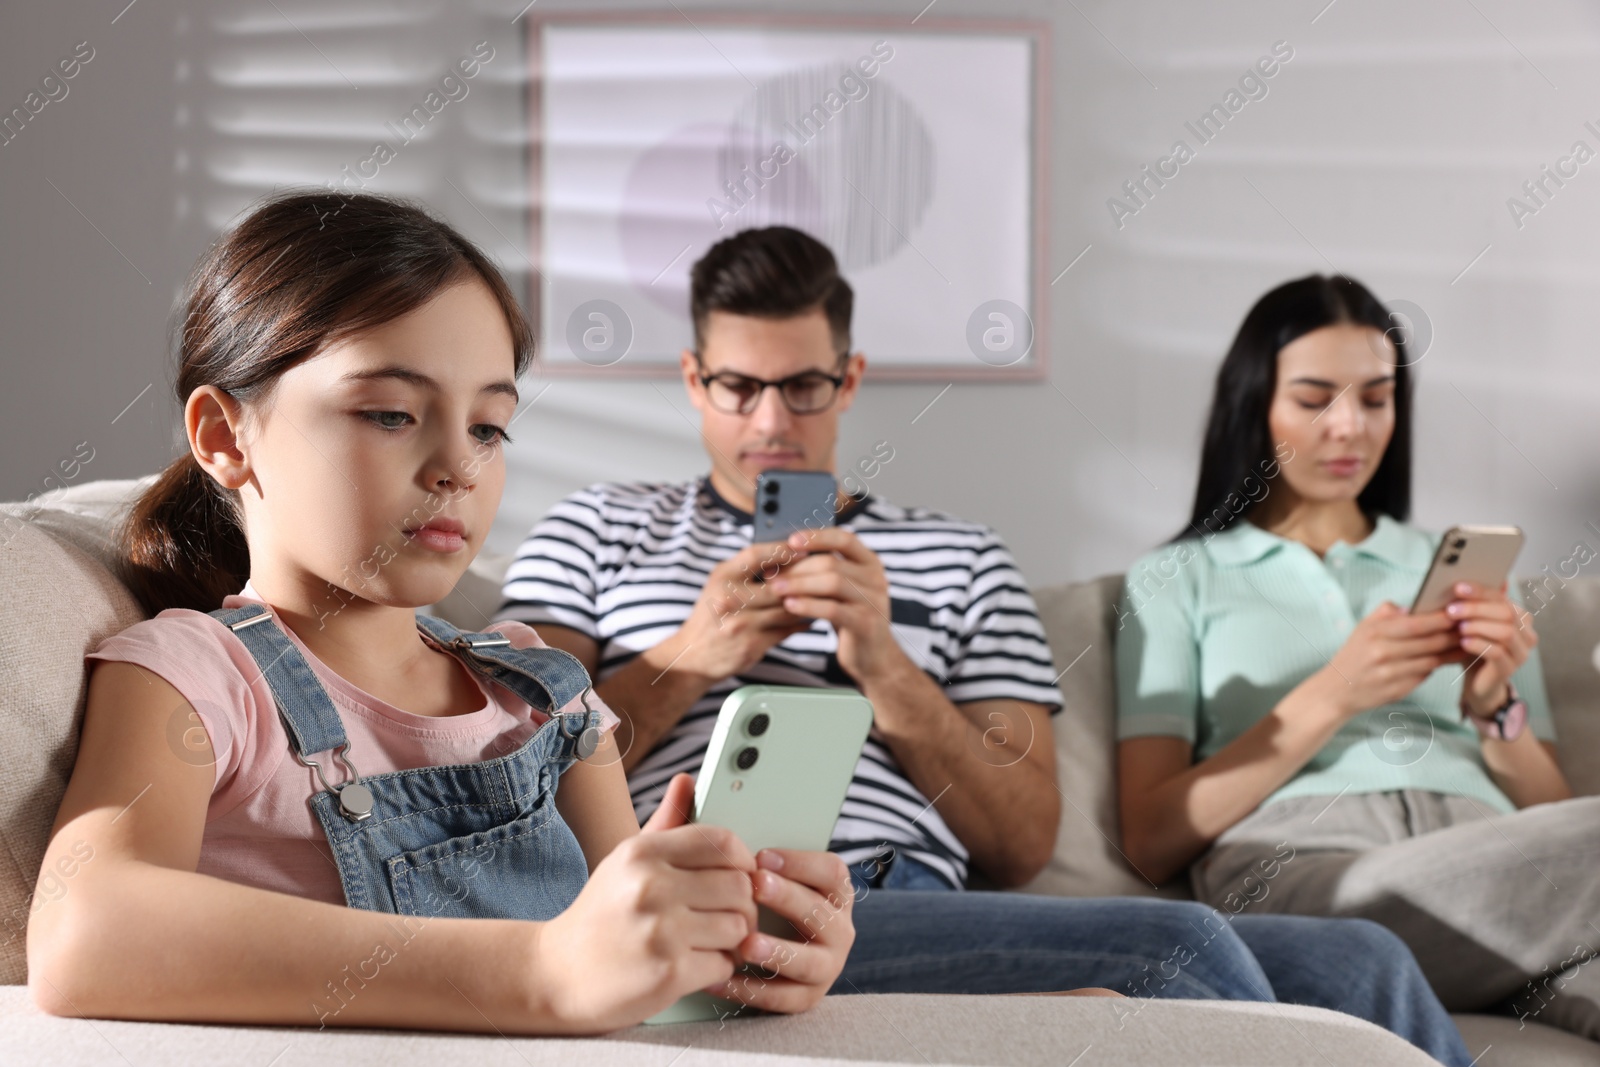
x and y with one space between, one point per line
1088 860
86 516
847 1031
1567 620
57 602
1504 1041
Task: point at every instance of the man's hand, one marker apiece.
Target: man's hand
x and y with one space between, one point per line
735 620
945 751
737 616
843 581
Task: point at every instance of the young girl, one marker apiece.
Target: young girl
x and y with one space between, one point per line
303 803
1274 696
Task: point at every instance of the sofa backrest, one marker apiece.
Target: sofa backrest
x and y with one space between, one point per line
1087 861
58 600
59 597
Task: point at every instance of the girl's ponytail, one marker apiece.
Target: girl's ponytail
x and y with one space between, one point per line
300 272
185 545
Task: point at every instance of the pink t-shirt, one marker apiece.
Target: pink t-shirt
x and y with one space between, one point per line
259 827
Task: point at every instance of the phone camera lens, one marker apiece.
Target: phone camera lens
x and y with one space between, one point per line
746 758
769 506
1460 543
758 724
772 488
1452 557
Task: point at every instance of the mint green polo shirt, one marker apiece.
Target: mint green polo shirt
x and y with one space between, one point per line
1213 632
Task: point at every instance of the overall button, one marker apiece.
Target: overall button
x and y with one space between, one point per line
355 801
587 742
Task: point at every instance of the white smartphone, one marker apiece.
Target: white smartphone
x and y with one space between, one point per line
1479 554
776 773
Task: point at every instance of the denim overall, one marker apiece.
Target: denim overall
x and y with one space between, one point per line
474 840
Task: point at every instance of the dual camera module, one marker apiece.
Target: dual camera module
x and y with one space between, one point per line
1455 549
770 505
755 726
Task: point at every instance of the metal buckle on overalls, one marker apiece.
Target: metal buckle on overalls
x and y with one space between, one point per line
245 624
466 643
355 799
587 739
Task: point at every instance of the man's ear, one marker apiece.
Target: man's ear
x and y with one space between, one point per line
690 369
854 370
213 421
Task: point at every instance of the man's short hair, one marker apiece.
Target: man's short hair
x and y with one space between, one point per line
772 273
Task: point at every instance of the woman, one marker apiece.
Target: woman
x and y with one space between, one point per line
1288 729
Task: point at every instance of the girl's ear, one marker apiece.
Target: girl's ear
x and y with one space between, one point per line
214 421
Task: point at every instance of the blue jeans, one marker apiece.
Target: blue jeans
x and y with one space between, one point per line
915 935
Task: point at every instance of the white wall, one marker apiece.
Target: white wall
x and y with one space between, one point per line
1387 147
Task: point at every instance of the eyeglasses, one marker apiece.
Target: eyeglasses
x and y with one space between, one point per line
805 393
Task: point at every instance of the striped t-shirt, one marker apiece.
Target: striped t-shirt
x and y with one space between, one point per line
624 565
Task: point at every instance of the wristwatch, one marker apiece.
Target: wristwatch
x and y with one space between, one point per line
1508 720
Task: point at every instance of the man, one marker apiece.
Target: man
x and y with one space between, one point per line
657 589
684 623
653 588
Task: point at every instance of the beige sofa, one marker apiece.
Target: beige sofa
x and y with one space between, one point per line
59 597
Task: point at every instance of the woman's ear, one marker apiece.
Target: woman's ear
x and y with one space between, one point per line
213 421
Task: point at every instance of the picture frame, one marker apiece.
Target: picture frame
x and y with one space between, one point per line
654 135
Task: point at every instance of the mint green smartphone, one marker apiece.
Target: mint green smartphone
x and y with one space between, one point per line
776 772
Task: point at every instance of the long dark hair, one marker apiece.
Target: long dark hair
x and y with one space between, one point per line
303 270
1238 451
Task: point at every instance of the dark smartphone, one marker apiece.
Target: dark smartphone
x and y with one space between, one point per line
1479 554
787 501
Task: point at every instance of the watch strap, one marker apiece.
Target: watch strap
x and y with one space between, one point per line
1508 720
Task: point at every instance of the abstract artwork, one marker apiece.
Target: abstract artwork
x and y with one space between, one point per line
910 151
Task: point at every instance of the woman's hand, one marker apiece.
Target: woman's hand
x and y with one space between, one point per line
812 890
662 915
1496 638
1387 655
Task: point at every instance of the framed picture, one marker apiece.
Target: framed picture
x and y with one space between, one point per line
913 150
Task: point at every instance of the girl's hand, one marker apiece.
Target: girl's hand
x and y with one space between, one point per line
1387 655
1496 638
812 890
661 916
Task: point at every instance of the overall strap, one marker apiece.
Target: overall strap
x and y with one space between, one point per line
547 678
309 716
